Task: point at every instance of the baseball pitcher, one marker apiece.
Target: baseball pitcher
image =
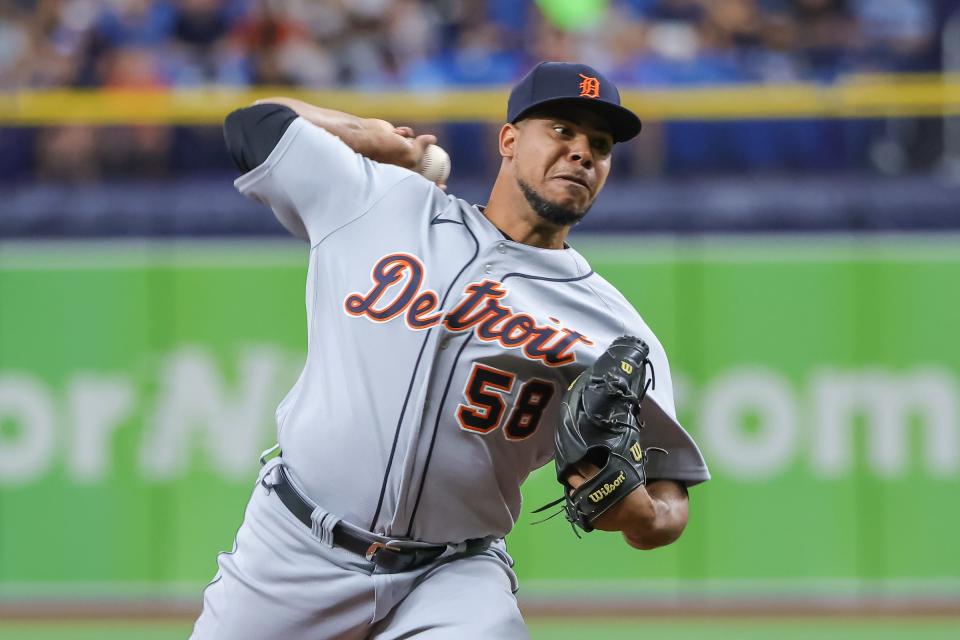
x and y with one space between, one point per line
452 349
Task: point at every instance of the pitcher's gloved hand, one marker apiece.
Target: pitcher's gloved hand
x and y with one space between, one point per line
599 458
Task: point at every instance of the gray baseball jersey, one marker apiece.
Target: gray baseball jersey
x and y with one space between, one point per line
437 348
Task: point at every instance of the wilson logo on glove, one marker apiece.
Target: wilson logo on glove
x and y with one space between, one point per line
607 489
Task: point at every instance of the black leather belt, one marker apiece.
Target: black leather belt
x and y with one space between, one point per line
391 556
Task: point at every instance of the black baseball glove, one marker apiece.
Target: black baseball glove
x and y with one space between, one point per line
601 426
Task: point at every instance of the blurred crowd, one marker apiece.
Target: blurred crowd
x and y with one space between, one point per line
370 44
373 43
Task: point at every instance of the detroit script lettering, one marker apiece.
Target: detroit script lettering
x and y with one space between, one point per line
398 289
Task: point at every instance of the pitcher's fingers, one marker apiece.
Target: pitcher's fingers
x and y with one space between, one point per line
575 480
425 140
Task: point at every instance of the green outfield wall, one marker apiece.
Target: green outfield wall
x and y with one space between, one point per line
822 378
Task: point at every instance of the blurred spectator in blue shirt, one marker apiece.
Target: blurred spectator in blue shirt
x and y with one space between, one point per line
897 35
473 50
136 22
825 32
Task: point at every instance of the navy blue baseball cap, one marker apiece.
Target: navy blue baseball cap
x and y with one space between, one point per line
551 83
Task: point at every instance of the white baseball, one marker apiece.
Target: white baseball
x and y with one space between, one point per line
435 165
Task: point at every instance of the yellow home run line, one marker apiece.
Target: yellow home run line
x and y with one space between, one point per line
862 96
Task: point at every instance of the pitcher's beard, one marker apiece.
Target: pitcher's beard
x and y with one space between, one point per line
551 211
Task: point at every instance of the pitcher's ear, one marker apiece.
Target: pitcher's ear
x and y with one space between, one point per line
508 140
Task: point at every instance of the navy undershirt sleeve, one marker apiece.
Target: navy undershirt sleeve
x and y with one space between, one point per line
253 132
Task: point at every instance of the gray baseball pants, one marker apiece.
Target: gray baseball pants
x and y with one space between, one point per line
282 581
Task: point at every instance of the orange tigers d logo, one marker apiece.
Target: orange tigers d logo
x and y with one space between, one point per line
589 87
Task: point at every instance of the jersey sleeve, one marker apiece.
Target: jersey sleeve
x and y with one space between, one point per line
253 132
683 461
314 183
